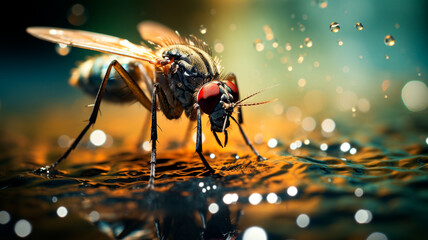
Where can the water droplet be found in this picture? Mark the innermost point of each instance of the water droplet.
(268, 32)
(272, 198)
(292, 191)
(344, 147)
(62, 49)
(62, 212)
(258, 44)
(212, 155)
(203, 29)
(359, 26)
(389, 40)
(4, 217)
(290, 68)
(328, 125)
(340, 42)
(94, 216)
(255, 233)
(324, 147)
(98, 138)
(309, 124)
(303, 220)
(334, 27)
(272, 143)
(308, 42)
(377, 236)
(219, 47)
(213, 208)
(301, 82)
(415, 96)
(23, 228)
(359, 192)
(230, 198)
(386, 57)
(275, 44)
(288, 47)
(255, 198)
(363, 216)
(322, 3)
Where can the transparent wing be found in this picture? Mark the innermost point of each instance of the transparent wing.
(95, 41)
(159, 34)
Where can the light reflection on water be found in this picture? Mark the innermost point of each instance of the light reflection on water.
(296, 193)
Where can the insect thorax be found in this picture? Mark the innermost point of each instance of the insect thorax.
(190, 69)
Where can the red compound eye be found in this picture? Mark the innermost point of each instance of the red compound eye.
(208, 97)
(233, 90)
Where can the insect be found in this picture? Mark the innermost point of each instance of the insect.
(179, 75)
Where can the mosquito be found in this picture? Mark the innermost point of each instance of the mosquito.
(178, 75)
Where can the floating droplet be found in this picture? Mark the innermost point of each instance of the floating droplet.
(23, 228)
(309, 124)
(415, 96)
(301, 82)
(4, 217)
(359, 26)
(344, 147)
(255, 233)
(202, 29)
(272, 143)
(334, 27)
(340, 42)
(219, 47)
(213, 208)
(255, 198)
(386, 57)
(268, 32)
(359, 192)
(292, 191)
(324, 147)
(258, 44)
(308, 42)
(62, 49)
(303, 220)
(288, 47)
(389, 40)
(328, 125)
(98, 137)
(363, 216)
(62, 212)
(322, 3)
(272, 198)
(377, 236)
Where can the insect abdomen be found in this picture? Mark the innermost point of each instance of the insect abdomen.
(89, 75)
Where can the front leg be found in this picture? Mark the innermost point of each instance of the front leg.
(247, 141)
(153, 138)
(199, 142)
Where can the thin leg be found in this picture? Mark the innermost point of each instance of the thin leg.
(153, 138)
(259, 157)
(92, 119)
(199, 142)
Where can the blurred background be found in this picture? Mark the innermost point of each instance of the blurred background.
(350, 81)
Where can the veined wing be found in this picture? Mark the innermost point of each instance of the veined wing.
(159, 34)
(95, 41)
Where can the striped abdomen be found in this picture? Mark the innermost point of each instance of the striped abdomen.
(89, 74)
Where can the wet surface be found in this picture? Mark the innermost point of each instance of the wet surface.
(301, 193)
